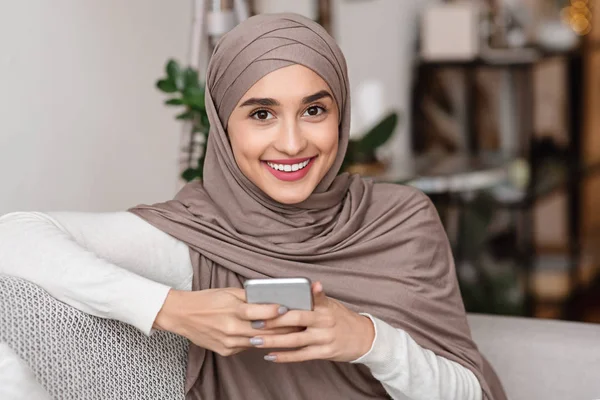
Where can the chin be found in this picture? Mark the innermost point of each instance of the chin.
(289, 197)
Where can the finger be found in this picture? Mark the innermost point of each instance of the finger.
(279, 331)
(303, 354)
(235, 342)
(289, 341)
(227, 345)
(259, 312)
(319, 294)
(245, 329)
(248, 333)
(237, 292)
(296, 318)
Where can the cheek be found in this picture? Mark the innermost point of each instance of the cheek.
(247, 146)
(326, 138)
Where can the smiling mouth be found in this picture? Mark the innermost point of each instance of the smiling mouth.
(289, 170)
(288, 167)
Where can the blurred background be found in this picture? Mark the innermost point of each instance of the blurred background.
(489, 107)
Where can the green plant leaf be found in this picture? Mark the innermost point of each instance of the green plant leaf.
(379, 134)
(173, 69)
(175, 74)
(174, 102)
(204, 121)
(190, 174)
(190, 78)
(193, 173)
(166, 86)
(194, 97)
(200, 128)
(185, 115)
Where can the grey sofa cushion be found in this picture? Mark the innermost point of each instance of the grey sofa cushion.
(77, 356)
(541, 359)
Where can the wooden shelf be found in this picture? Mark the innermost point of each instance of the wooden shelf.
(501, 59)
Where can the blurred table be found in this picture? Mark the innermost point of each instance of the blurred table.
(457, 173)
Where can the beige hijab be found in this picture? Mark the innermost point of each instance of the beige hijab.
(377, 248)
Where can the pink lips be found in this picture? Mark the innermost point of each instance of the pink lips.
(293, 175)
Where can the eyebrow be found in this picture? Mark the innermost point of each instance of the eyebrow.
(269, 102)
(317, 96)
(265, 102)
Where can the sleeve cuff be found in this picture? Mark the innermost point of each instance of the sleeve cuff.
(360, 360)
(142, 305)
(379, 358)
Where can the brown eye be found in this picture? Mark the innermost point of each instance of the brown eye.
(313, 111)
(262, 115)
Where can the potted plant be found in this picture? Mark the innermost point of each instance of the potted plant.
(187, 92)
(361, 157)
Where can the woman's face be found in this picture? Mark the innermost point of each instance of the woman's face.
(284, 133)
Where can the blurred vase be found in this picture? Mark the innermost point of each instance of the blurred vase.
(554, 35)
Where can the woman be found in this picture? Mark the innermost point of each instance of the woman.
(273, 205)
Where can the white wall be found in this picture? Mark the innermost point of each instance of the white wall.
(308, 8)
(378, 38)
(81, 125)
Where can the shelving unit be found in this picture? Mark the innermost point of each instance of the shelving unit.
(539, 186)
(484, 172)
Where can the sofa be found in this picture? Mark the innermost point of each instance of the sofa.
(77, 356)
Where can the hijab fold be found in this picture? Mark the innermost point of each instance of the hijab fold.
(377, 248)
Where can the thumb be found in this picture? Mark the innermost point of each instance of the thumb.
(318, 293)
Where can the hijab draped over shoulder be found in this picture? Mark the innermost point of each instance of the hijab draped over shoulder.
(377, 248)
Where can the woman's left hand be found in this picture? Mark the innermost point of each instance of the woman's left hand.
(333, 332)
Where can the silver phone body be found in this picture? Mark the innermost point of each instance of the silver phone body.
(293, 293)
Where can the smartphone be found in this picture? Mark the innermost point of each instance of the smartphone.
(293, 293)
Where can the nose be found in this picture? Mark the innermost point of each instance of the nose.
(290, 139)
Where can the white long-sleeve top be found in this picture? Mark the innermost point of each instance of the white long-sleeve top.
(118, 266)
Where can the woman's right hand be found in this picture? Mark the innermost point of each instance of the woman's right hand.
(217, 319)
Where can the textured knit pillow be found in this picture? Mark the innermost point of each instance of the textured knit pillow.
(77, 356)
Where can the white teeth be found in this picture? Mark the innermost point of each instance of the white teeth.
(288, 167)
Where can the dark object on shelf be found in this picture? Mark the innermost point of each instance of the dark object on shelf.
(581, 303)
(546, 148)
(500, 242)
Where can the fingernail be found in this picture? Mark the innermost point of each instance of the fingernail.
(282, 310)
(270, 358)
(258, 324)
(256, 341)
